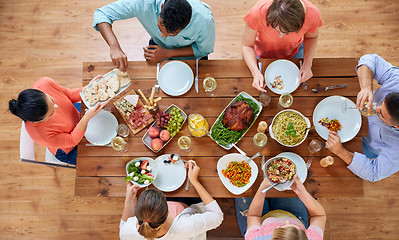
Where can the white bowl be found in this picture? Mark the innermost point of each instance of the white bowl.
(101, 128)
(301, 169)
(289, 74)
(332, 107)
(236, 157)
(290, 110)
(151, 162)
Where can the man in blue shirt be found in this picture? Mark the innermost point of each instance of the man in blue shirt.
(380, 157)
(178, 28)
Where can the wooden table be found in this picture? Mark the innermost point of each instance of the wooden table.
(100, 171)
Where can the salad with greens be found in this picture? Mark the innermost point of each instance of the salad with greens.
(140, 172)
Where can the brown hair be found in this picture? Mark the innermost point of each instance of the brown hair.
(151, 212)
(287, 15)
(289, 233)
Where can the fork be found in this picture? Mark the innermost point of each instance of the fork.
(157, 82)
(308, 163)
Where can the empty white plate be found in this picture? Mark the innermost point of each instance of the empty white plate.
(176, 78)
(288, 72)
(236, 157)
(332, 107)
(170, 175)
(101, 128)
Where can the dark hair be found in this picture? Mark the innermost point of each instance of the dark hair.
(31, 105)
(392, 103)
(288, 15)
(151, 212)
(289, 233)
(175, 14)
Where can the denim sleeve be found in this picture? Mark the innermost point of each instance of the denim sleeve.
(122, 9)
(374, 170)
(205, 43)
(378, 66)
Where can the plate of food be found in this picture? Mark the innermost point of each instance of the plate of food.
(235, 120)
(288, 128)
(282, 76)
(176, 78)
(171, 174)
(283, 167)
(101, 128)
(142, 171)
(132, 110)
(166, 126)
(237, 175)
(105, 88)
(330, 115)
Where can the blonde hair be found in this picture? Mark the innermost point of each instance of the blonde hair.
(151, 212)
(289, 233)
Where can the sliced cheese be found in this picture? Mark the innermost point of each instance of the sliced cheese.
(133, 99)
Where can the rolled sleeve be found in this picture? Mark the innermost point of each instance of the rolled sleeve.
(122, 9)
(373, 169)
(377, 65)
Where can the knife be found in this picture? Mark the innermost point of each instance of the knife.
(196, 75)
(323, 89)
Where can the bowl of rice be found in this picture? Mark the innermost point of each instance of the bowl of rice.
(289, 128)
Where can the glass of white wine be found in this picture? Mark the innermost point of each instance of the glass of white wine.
(260, 140)
(119, 144)
(185, 144)
(210, 85)
(367, 112)
(286, 100)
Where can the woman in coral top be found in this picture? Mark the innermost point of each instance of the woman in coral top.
(51, 119)
(277, 29)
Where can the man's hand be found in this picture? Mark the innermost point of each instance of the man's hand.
(365, 95)
(305, 73)
(155, 53)
(297, 186)
(131, 191)
(119, 58)
(259, 82)
(334, 143)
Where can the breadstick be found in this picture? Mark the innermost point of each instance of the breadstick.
(152, 96)
(145, 99)
(157, 99)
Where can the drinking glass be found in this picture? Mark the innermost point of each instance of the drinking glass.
(119, 144)
(197, 125)
(286, 100)
(209, 84)
(264, 98)
(315, 146)
(185, 144)
(122, 130)
(260, 140)
(367, 112)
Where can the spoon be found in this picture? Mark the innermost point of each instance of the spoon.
(255, 156)
(282, 181)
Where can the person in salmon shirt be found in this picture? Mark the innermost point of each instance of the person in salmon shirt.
(51, 118)
(280, 29)
(151, 216)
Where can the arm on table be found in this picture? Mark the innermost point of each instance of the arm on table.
(249, 55)
(315, 209)
(130, 201)
(309, 49)
(155, 53)
(255, 209)
(334, 144)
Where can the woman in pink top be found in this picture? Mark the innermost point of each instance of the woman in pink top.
(279, 224)
(277, 29)
(151, 216)
(51, 119)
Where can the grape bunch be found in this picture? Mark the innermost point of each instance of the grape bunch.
(162, 119)
(175, 122)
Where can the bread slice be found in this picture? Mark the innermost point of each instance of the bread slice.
(102, 95)
(119, 73)
(93, 99)
(94, 87)
(124, 81)
(86, 93)
(113, 83)
(110, 93)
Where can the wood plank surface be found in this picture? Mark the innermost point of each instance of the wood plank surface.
(53, 38)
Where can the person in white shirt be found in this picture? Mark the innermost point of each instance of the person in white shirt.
(152, 217)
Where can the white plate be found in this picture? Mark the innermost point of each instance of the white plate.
(176, 78)
(331, 107)
(289, 110)
(236, 157)
(101, 128)
(302, 170)
(288, 72)
(151, 162)
(170, 175)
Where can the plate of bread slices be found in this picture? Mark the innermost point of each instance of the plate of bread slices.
(105, 88)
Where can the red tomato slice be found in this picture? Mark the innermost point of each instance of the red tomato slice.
(144, 165)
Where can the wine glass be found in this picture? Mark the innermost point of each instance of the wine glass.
(286, 100)
(119, 144)
(185, 144)
(315, 146)
(210, 85)
(122, 130)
